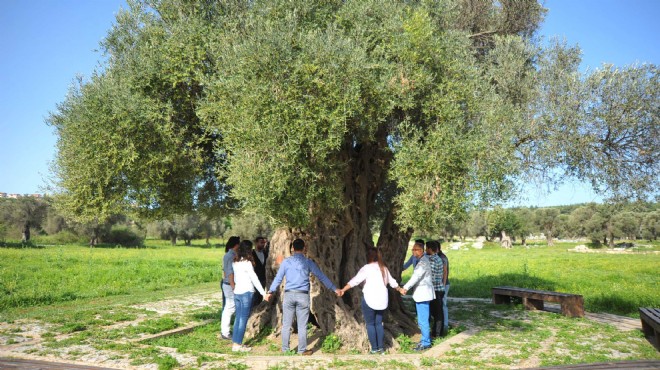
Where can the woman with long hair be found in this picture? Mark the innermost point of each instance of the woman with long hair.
(245, 282)
(376, 277)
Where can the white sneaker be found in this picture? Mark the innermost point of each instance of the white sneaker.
(240, 348)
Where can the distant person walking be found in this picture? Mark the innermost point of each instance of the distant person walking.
(245, 283)
(421, 280)
(375, 276)
(296, 270)
(228, 307)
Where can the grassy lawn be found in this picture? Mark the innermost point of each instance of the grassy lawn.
(95, 305)
(612, 283)
(51, 274)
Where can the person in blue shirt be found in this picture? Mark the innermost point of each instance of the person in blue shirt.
(296, 269)
(412, 261)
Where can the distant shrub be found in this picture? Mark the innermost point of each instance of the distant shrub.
(62, 237)
(124, 236)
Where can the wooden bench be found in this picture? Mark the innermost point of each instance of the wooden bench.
(650, 318)
(572, 305)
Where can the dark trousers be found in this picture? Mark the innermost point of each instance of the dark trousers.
(374, 321)
(437, 315)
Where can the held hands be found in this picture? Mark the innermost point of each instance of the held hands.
(339, 292)
(402, 291)
(267, 297)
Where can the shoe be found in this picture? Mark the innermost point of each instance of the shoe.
(374, 352)
(306, 353)
(421, 347)
(240, 348)
(225, 337)
(381, 351)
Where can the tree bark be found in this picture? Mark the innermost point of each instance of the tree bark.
(338, 244)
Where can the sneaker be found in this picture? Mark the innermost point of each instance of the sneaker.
(225, 337)
(381, 351)
(306, 353)
(240, 348)
(421, 347)
(374, 352)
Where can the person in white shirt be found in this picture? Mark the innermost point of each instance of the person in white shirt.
(245, 282)
(375, 276)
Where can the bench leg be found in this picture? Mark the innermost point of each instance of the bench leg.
(532, 304)
(647, 329)
(573, 307)
(500, 299)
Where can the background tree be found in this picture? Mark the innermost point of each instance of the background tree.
(651, 225)
(525, 227)
(503, 222)
(547, 220)
(25, 214)
(326, 115)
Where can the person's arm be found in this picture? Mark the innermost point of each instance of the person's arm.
(408, 262)
(278, 279)
(393, 283)
(356, 280)
(314, 269)
(445, 272)
(255, 280)
(417, 276)
(230, 274)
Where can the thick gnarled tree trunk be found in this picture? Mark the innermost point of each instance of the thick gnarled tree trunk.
(338, 244)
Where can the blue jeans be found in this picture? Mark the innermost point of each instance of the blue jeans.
(423, 309)
(374, 320)
(298, 303)
(243, 305)
(445, 322)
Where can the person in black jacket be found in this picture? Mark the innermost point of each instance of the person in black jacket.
(260, 255)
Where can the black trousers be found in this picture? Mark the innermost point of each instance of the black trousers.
(437, 315)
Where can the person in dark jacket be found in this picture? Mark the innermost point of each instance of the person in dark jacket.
(260, 256)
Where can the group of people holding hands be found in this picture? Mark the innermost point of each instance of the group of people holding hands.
(244, 278)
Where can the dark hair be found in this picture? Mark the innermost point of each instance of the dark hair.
(258, 238)
(298, 245)
(231, 243)
(434, 245)
(244, 252)
(419, 241)
(374, 255)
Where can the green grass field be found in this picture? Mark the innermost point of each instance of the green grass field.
(88, 302)
(612, 283)
(51, 274)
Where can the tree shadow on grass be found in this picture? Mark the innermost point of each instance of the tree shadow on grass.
(480, 287)
(19, 245)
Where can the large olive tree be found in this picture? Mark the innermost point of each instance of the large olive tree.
(328, 115)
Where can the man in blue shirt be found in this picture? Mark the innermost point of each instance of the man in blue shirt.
(296, 269)
(412, 261)
(227, 286)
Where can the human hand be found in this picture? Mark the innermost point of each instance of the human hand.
(267, 297)
(339, 292)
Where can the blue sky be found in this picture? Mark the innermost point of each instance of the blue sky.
(44, 44)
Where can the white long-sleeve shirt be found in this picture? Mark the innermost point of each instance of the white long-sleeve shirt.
(375, 291)
(245, 279)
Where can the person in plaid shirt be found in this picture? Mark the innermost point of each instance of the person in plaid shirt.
(437, 271)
